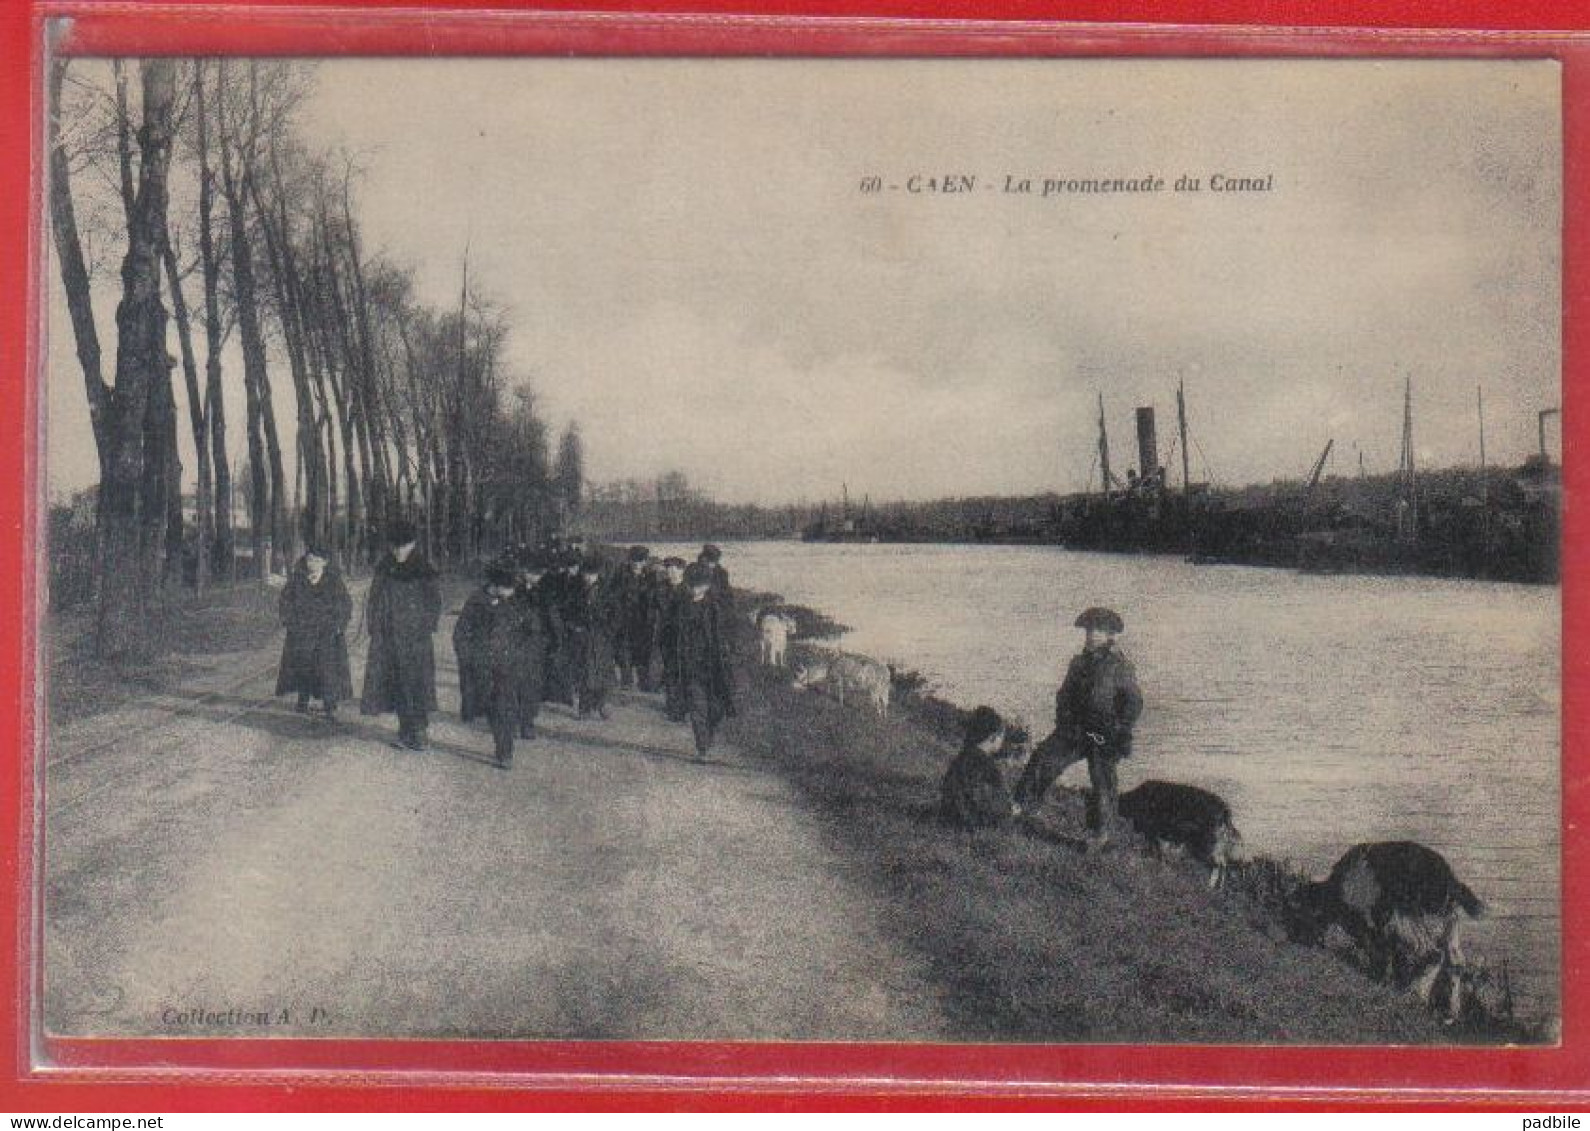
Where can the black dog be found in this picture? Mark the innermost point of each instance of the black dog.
(1169, 813)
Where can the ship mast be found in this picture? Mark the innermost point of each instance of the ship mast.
(1104, 449)
(1181, 424)
(1485, 478)
(1186, 467)
(1410, 484)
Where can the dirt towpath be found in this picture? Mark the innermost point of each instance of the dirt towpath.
(216, 864)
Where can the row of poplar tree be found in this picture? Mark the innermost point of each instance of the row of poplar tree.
(229, 223)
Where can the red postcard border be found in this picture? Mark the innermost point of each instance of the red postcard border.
(370, 1075)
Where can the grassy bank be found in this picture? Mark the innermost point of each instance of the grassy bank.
(191, 635)
(1032, 940)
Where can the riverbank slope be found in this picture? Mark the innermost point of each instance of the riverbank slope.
(1033, 940)
(208, 850)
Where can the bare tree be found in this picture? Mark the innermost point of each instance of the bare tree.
(196, 421)
(74, 270)
(268, 479)
(131, 536)
(214, 402)
(568, 476)
(400, 408)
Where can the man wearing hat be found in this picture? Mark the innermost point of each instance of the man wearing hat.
(590, 623)
(559, 586)
(494, 649)
(633, 589)
(712, 557)
(669, 601)
(401, 614)
(701, 657)
(973, 794)
(542, 622)
(1095, 710)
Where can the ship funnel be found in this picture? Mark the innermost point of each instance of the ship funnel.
(1147, 447)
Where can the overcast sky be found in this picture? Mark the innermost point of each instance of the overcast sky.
(693, 273)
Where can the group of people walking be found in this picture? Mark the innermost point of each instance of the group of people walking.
(551, 623)
(559, 623)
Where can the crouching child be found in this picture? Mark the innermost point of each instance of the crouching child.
(973, 794)
(495, 647)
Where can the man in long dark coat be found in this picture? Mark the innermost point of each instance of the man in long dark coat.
(590, 624)
(712, 557)
(668, 602)
(702, 658)
(634, 587)
(315, 610)
(722, 593)
(1095, 710)
(541, 623)
(401, 614)
(559, 589)
(494, 646)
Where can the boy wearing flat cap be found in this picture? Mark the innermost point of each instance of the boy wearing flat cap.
(1095, 710)
(973, 794)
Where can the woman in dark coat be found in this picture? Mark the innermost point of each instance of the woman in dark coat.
(401, 614)
(315, 610)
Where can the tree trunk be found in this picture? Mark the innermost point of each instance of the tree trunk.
(214, 406)
(128, 563)
(265, 506)
(320, 364)
(354, 519)
(124, 162)
(74, 274)
(278, 246)
(378, 479)
(203, 524)
(356, 435)
(162, 486)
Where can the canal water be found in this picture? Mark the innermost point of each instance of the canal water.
(1327, 710)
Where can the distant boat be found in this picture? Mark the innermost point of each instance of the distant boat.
(847, 528)
(819, 532)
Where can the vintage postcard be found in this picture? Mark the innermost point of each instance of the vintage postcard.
(894, 550)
